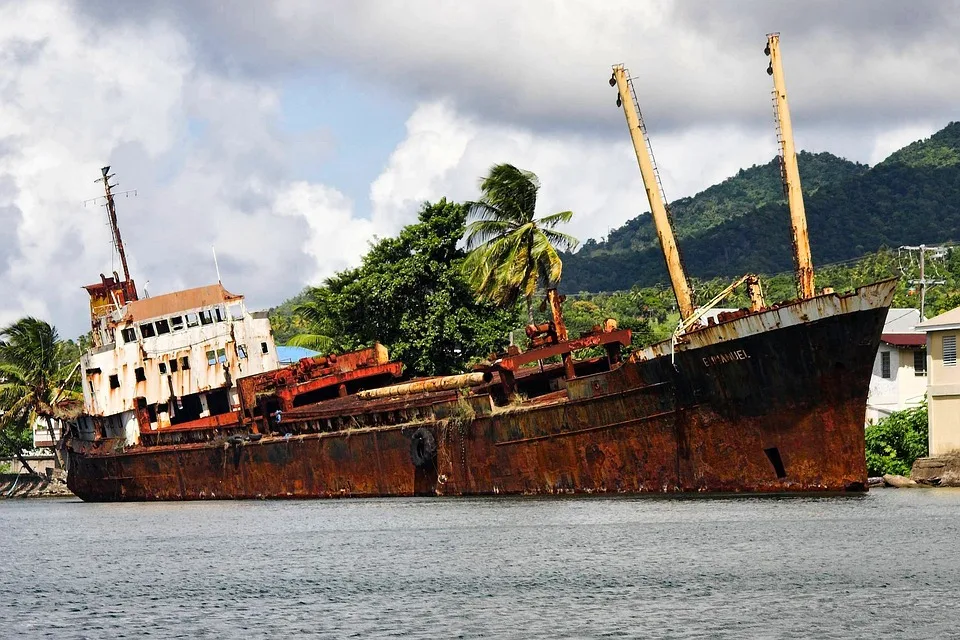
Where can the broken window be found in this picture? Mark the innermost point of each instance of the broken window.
(885, 364)
(162, 367)
(241, 351)
(184, 363)
(219, 314)
(221, 355)
(114, 381)
(146, 330)
(192, 320)
(211, 357)
(264, 348)
(176, 323)
(236, 311)
(206, 317)
(129, 334)
(920, 362)
(139, 374)
(162, 327)
(173, 365)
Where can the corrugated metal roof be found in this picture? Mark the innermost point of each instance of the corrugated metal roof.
(178, 301)
(905, 339)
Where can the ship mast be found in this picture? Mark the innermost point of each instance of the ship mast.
(112, 214)
(789, 171)
(651, 181)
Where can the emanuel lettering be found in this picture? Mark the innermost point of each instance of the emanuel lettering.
(723, 358)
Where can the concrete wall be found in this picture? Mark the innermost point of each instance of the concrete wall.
(943, 396)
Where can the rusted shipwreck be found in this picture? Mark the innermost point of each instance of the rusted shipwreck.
(184, 397)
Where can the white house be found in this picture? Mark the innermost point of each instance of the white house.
(899, 377)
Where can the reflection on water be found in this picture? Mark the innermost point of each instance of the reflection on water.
(883, 565)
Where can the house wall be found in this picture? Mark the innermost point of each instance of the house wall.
(943, 396)
(902, 390)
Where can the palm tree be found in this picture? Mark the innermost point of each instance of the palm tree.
(511, 251)
(36, 377)
(312, 316)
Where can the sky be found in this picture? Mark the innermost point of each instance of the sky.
(289, 134)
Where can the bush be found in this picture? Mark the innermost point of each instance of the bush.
(896, 441)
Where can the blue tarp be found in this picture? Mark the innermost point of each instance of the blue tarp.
(289, 355)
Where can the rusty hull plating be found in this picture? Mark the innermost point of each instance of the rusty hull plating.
(769, 401)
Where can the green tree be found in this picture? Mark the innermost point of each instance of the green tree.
(512, 251)
(410, 293)
(894, 443)
(37, 381)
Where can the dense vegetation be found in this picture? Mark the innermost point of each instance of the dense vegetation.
(742, 224)
(411, 294)
(896, 441)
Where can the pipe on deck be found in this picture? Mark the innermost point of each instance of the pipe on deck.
(444, 383)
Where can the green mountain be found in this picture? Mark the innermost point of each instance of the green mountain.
(742, 224)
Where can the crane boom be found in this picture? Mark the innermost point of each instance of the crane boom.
(790, 173)
(651, 182)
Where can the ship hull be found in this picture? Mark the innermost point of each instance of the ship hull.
(773, 402)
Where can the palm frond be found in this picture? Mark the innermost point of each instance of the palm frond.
(313, 341)
(560, 240)
(554, 219)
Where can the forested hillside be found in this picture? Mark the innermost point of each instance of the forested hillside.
(742, 224)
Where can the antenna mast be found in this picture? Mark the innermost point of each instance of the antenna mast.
(112, 214)
(789, 171)
(627, 98)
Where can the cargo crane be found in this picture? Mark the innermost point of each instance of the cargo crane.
(689, 314)
(789, 172)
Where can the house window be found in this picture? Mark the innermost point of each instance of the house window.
(192, 320)
(176, 323)
(114, 381)
(206, 317)
(173, 365)
(949, 351)
(146, 330)
(242, 350)
(211, 358)
(885, 364)
(263, 348)
(139, 374)
(162, 327)
(162, 367)
(129, 334)
(920, 362)
(184, 362)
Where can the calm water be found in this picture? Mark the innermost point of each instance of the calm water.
(886, 565)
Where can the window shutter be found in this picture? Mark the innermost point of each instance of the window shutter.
(949, 351)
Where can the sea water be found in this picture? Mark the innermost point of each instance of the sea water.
(883, 565)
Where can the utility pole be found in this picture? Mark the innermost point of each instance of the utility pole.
(923, 282)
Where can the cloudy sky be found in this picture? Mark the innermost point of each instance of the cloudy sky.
(287, 134)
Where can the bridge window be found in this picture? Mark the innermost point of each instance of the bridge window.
(184, 363)
(206, 317)
(173, 365)
(241, 351)
(219, 314)
(114, 381)
(176, 323)
(192, 320)
(236, 312)
(163, 327)
(139, 374)
(162, 367)
(129, 334)
(146, 330)
(263, 348)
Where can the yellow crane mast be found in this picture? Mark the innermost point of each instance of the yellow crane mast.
(651, 181)
(789, 171)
